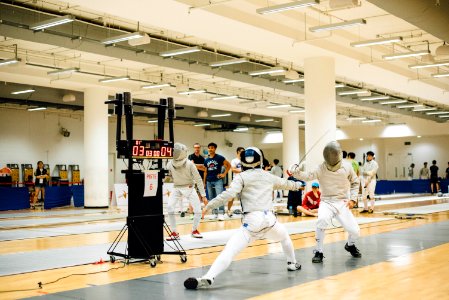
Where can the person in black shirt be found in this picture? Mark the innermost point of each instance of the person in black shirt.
(447, 171)
(434, 185)
(198, 159)
(41, 181)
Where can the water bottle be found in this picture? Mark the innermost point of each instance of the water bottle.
(290, 210)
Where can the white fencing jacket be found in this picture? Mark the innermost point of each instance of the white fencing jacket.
(256, 187)
(342, 184)
(186, 175)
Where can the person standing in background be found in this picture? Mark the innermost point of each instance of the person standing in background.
(434, 184)
(410, 171)
(40, 183)
(424, 172)
(447, 171)
(369, 182)
(213, 177)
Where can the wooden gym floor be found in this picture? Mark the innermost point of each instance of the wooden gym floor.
(419, 272)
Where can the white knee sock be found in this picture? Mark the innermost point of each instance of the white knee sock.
(172, 220)
(365, 203)
(372, 203)
(196, 220)
(319, 236)
(289, 251)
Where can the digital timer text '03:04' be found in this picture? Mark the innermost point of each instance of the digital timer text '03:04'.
(152, 149)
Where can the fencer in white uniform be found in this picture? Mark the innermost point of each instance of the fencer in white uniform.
(185, 177)
(255, 187)
(339, 187)
(369, 171)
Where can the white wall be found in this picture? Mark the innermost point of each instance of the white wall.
(391, 153)
(27, 137)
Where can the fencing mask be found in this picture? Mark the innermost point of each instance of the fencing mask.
(252, 157)
(179, 154)
(332, 156)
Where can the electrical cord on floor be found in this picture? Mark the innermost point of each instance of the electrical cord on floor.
(41, 284)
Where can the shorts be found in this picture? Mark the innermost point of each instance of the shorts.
(40, 185)
(434, 180)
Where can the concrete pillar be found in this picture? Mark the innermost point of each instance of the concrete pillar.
(95, 148)
(290, 147)
(320, 105)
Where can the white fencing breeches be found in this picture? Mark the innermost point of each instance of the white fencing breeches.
(368, 192)
(256, 225)
(338, 210)
(177, 195)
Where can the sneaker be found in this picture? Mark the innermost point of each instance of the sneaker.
(197, 283)
(221, 218)
(173, 236)
(370, 211)
(229, 213)
(293, 266)
(353, 250)
(196, 234)
(318, 258)
(365, 211)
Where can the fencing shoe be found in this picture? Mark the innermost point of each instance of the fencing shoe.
(318, 258)
(173, 236)
(197, 283)
(293, 266)
(353, 250)
(196, 234)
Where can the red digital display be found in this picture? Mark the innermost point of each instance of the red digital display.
(152, 149)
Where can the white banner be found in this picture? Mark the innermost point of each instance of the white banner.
(151, 180)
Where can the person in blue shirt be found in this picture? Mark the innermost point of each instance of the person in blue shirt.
(213, 176)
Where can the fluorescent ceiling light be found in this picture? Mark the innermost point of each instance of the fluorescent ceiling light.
(339, 85)
(192, 92)
(406, 54)
(425, 109)
(355, 118)
(338, 25)
(286, 6)
(221, 115)
(202, 125)
(293, 111)
(52, 22)
(225, 97)
(445, 116)
(293, 80)
(274, 70)
(123, 37)
(11, 61)
(438, 75)
(37, 108)
(437, 113)
(278, 106)
(63, 71)
(228, 62)
(394, 102)
(152, 121)
(112, 79)
(155, 86)
(382, 41)
(435, 64)
(372, 121)
(371, 98)
(180, 51)
(410, 106)
(263, 120)
(241, 129)
(23, 92)
(354, 92)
